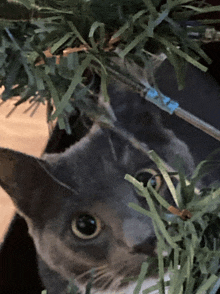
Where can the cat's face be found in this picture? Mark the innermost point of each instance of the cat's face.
(76, 208)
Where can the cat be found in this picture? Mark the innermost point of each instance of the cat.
(75, 203)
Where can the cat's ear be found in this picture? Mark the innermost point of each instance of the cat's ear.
(29, 184)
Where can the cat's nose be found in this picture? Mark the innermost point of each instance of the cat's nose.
(137, 230)
(147, 247)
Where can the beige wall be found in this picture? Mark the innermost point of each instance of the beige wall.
(23, 133)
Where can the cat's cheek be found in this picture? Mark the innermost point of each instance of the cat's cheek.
(59, 257)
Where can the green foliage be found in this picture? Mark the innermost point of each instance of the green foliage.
(192, 244)
(140, 27)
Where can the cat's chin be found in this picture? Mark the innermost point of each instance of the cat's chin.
(129, 289)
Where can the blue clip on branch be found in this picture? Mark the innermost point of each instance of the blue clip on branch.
(162, 101)
(166, 104)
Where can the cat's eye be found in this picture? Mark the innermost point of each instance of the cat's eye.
(146, 175)
(86, 226)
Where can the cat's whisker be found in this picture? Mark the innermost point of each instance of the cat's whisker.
(116, 282)
(103, 275)
(100, 269)
(99, 273)
(83, 274)
(109, 281)
(104, 279)
(119, 275)
(96, 269)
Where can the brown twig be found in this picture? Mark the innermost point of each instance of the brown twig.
(184, 214)
(84, 47)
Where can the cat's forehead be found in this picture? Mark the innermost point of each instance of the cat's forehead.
(101, 157)
(104, 148)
